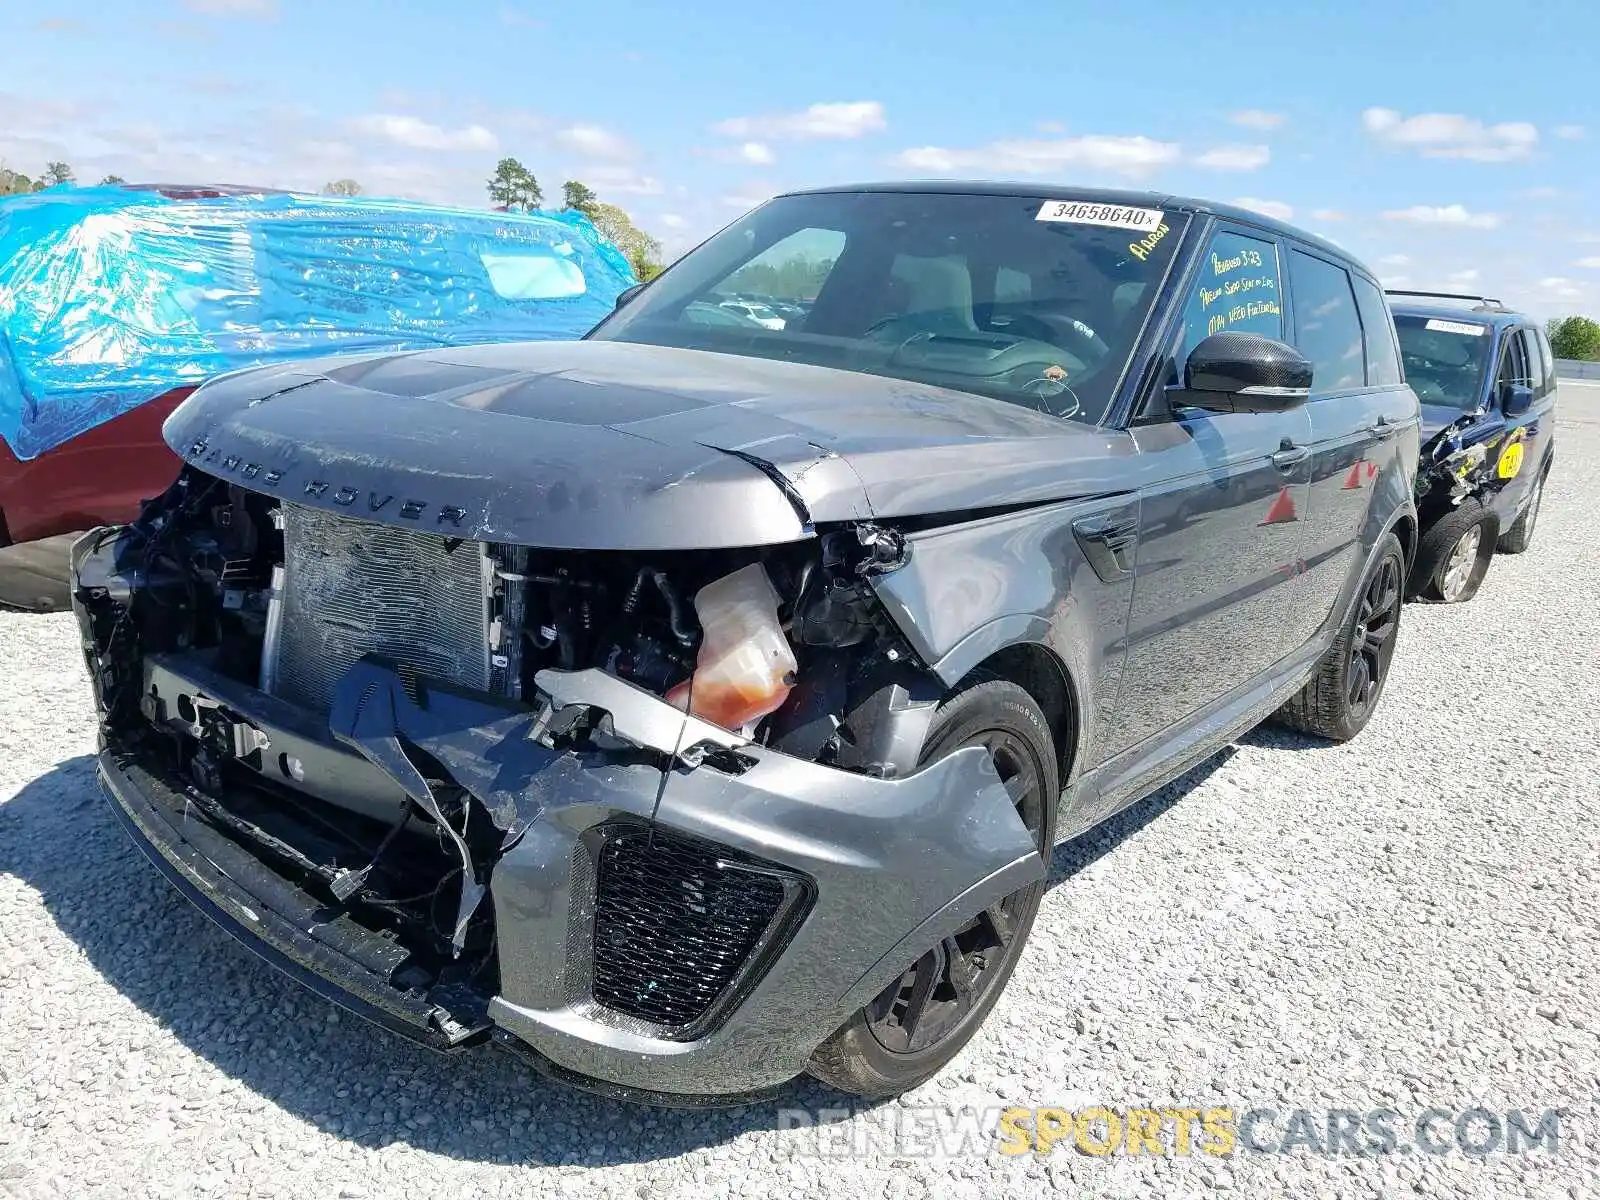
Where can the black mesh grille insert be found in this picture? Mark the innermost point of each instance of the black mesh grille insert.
(675, 920)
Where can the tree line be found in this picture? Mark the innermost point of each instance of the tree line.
(15, 183)
(512, 188)
(1575, 338)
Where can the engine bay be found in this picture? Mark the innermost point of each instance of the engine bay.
(221, 627)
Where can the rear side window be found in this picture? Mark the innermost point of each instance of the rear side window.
(1547, 356)
(1327, 327)
(1238, 291)
(1383, 353)
(1538, 373)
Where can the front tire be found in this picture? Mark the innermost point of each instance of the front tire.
(1454, 555)
(1340, 698)
(923, 1019)
(1519, 537)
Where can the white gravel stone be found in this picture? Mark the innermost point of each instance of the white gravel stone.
(1407, 921)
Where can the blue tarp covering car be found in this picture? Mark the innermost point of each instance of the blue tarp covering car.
(112, 296)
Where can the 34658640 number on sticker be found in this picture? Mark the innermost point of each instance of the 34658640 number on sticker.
(1114, 216)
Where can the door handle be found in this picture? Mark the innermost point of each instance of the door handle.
(1383, 429)
(1289, 455)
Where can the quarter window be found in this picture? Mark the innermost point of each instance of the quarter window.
(1237, 292)
(1327, 328)
(1383, 354)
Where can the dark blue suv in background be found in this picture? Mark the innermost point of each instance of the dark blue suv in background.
(1486, 379)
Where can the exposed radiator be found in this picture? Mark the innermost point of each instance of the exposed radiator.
(352, 588)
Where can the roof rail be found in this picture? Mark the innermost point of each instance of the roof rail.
(1484, 303)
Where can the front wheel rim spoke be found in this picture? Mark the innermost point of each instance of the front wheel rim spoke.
(929, 971)
(1361, 675)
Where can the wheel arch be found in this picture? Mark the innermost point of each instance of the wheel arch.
(1405, 528)
(1039, 671)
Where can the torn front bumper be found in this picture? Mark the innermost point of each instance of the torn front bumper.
(858, 875)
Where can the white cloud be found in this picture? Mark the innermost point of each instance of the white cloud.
(421, 135)
(757, 152)
(233, 8)
(672, 221)
(820, 122)
(1558, 287)
(1443, 214)
(1569, 133)
(592, 141)
(1394, 260)
(749, 196)
(1326, 214)
(1131, 156)
(1457, 278)
(518, 19)
(1591, 263)
(607, 179)
(1451, 135)
(1234, 158)
(1275, 209)
(1256, 118)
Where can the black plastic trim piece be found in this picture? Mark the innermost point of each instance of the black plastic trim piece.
(307, 959)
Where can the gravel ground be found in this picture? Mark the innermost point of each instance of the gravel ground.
(1402, 923)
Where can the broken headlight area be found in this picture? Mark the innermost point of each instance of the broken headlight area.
(1454, 468)
(380, 712)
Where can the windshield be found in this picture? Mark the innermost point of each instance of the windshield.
(1034, 302)
(1444, 360)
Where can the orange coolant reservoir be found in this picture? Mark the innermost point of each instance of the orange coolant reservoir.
(745, 667)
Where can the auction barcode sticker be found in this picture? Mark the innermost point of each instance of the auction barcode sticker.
(1115, 216)
(1463, 327)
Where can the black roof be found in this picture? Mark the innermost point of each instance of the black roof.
(1122, 196)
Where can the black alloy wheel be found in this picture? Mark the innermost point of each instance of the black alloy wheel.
(1339, 698)
(1373, 639)
(942, 988)
(922, 1019)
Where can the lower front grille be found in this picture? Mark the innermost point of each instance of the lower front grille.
(353, 588)
(678, 925)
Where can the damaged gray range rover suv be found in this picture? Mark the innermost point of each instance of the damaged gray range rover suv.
(697, 704)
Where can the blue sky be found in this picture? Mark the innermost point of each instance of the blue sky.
(1446, 145)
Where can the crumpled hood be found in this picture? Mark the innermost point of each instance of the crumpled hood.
(1436, 417)
(610, 445)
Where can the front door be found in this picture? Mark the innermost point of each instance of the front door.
(1217, 574)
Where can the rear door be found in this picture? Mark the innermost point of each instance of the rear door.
(1356, 421)
(1216, 579)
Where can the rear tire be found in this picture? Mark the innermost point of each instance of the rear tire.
(1454, 555)
(923, 1019)
(1341, 697)
(1519, 537)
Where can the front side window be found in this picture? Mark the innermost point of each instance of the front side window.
(1238, 291)
(1445, 359)
(1514, 368)
(1327, 326)
(1038, 303)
